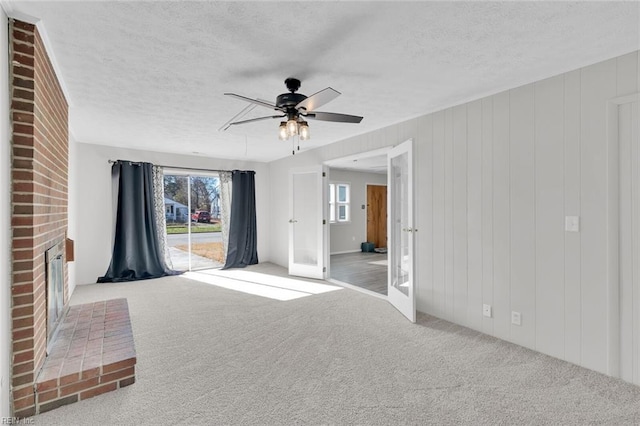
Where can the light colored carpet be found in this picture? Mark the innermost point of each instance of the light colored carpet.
(215, 356)
(384, 262)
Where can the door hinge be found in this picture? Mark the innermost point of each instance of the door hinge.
(324, 174)
(324, 269)
(324, 221)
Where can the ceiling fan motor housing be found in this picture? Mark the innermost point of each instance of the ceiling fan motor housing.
(289, 100)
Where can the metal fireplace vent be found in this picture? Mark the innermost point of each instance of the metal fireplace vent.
(54, 258)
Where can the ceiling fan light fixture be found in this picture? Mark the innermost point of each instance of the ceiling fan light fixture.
(304, 131)
(283, 133)
(292, 127)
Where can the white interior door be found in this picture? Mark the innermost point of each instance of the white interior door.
(306, 221)
(401, 231)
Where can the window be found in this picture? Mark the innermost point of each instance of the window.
(339, 202)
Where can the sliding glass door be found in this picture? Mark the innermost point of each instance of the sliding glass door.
(192, 211)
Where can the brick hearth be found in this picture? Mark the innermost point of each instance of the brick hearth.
(93, 353)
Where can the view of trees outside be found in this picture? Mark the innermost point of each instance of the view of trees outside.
(205, 192)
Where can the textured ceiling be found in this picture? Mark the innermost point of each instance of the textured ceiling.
(151, 75)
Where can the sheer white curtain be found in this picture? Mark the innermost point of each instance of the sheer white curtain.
(225, 208)
(161, 222)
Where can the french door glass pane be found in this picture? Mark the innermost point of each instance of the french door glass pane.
(399, 200)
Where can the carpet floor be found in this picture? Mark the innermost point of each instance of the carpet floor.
(216, 356)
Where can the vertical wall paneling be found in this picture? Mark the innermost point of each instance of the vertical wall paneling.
(626, 243)
(501, 218)
(598, 84)
(460, 239)
(438, 239)
(523, 214)
(627, 74)
(448, 214)
(408, 130)
(626, 136)
(572, 291)
(626, 83)
(487, 210)
(392, 135)
(549, 214)
(635, 206)
(474, 215)
(424, 224)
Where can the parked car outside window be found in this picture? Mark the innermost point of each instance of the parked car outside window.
(201, 216)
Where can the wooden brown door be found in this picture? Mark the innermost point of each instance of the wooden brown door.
(377, 215)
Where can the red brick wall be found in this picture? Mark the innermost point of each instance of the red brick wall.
(40, 152)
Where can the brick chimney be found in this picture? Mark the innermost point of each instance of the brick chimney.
(40, 153)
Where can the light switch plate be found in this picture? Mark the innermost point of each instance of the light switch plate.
(572, 223)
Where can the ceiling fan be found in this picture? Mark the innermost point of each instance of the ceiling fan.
(296, 107)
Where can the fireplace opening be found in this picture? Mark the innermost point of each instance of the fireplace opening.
(54, 258)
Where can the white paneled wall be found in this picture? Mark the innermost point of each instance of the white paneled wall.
(496, 178)
(505, 172)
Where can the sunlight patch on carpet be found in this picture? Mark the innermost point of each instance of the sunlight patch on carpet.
(257, 284)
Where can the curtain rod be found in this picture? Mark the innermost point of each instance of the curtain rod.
(173, 167)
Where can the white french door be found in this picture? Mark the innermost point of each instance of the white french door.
(307, 213)
(401, 231)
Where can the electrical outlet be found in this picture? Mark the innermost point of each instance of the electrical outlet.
(516, 318)
(486, 310)
(572, 223)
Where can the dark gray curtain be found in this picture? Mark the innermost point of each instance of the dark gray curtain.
(136, 254)
(242, 249)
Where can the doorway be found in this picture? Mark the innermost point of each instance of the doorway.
(193, 220)
(357, 188)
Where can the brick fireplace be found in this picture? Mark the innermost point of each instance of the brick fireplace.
(40, 152)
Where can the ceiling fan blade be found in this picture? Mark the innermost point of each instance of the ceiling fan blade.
(253, 101)
(318, 99)
(256, 119)
(239, 115)
(332, 116)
